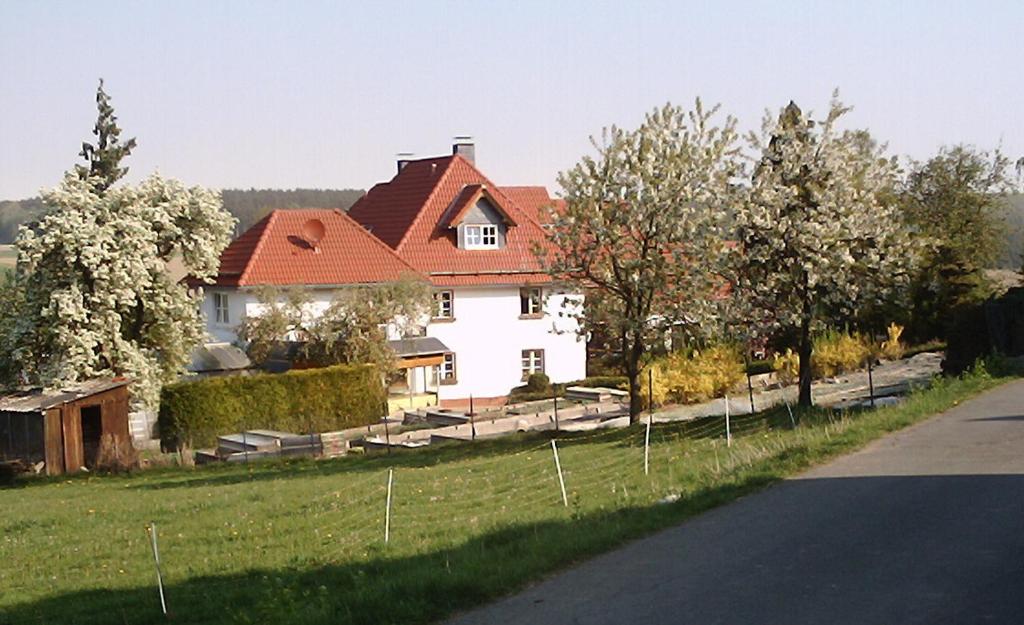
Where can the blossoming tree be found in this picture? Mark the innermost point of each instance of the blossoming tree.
(818, 233)
(98, 297)
(642, 230)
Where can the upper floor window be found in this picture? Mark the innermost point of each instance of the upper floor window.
(530, 301)
(221, 312)
(481, 237)
(444, 305)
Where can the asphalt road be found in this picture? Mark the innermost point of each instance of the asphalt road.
(923, 526)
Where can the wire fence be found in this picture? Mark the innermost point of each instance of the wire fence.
(404, 510)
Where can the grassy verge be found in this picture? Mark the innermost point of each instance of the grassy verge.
(302, 541)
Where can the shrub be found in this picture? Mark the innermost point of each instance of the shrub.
(787, 367)
(116, 455)
(757, 367)
(682, 378)
(834, 353)
(331, 398)
(892, 347)
(538, 382)
(605, 381)
(839, 352)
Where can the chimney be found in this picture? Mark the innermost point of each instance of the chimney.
(464, 147)
(403, 160)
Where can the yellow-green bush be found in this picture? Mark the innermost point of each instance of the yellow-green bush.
(787, 366)
(892, 347)
(688, 378)
(839, 352)
(834, 353)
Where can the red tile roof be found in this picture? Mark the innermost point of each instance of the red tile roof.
(466, 200)
(534, 200)
(408, 213)
(275, 252)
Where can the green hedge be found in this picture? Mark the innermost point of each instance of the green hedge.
(525, 393)
(318, 400)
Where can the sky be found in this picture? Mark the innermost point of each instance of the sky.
(244, 94)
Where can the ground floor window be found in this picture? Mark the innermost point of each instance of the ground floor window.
(532, 362)
(445, 372)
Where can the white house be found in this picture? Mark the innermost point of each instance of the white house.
(497, 314)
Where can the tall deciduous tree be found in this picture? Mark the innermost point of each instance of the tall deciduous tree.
(817, 234)
(642, 230)
(353, 329)
(104, 158)
(97, 296)
(956, 199)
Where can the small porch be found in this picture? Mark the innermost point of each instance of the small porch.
(414, 384)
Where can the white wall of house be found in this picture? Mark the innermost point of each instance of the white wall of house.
(244, 302)
(488, 336)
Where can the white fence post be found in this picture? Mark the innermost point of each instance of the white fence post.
(558, 467)
(728, 429)
(156, 560)
(647, 446)
(387, 508)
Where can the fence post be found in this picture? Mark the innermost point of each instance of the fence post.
(387, 508)
(558, 467)
(750, 390)
(554, 399)
(156, 560)
(647, 445)
(728, 429)
(871, 382)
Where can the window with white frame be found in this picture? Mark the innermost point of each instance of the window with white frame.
(533, 362)
(444, 305)
(221, 313)
(481, 237)
(531, 301)
(446, 370)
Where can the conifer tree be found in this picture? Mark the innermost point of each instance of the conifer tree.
(104, 158)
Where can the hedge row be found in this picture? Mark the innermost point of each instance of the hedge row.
(311, 400)
(524, 393)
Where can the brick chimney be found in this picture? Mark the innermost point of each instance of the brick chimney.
(463, 146)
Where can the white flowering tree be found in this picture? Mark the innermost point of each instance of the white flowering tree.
(93, 275)
(642, 230)
(818, 233)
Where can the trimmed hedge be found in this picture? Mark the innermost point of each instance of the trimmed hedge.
(524, 393)
(310, 400)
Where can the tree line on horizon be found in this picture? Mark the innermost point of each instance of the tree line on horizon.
(247, 206)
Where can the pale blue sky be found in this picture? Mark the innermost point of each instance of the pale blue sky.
(324, 94)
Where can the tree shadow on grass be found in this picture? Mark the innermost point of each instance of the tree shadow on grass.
(890, 542)
(382, 589)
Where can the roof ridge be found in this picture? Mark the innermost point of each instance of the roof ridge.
(491, 186)
(259, 245)
(426, 202)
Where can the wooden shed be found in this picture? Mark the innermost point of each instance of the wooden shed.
(63, 428)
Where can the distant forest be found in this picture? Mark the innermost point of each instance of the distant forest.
(247, 205)
(251, 205)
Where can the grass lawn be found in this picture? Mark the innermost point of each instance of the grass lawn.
(302, 541)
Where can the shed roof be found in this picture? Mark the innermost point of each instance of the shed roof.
(418, 346)
(37, 400)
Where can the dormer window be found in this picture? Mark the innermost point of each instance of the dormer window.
(481, 237)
